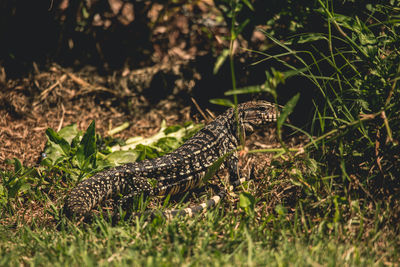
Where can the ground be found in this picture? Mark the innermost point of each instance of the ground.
(24, 119)
(143, 93)
(27, 112)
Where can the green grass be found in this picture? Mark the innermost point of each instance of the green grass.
(334, 204)
(217, 238)
(287, 231)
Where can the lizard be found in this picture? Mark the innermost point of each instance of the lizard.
(178, 171)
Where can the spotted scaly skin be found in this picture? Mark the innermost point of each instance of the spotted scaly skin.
(178, 171)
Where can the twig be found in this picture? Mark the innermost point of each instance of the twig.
(200, 110)
(3, 77)
(89, 88)
(386, 122)
(210, 113)
(62, 118)
(47, 91)
(51, 5)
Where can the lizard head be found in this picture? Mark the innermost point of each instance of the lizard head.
(255, 114)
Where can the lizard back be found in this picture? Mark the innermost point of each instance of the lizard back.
(178, 171)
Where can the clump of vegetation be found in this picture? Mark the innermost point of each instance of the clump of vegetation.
(356, 113)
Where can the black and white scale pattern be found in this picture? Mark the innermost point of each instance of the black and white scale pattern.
(178, 171)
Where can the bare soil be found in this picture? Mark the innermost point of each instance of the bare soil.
(52, 99)
(47, 100)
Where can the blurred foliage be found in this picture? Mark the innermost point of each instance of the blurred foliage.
(110, 33)
(103, 33)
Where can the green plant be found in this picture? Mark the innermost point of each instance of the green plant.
(354, 132)
(80, 154)
(17, 184)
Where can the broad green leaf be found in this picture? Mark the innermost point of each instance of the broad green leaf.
(247, 201)
(180, 133)
(58, 140)
(89, 140)
(168, 144)
(46, 162)
(172, 129)
(222, 102)
(87, 147)
(52, 152)
(69, 132)
(121, 157)
(146, 152)
(245, 90)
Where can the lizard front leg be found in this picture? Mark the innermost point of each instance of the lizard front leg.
(233, 168)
